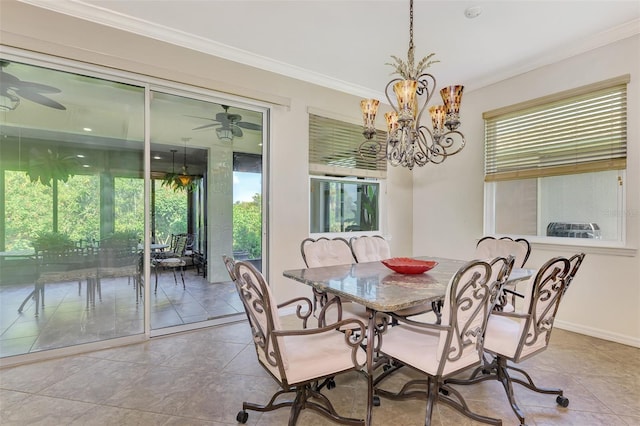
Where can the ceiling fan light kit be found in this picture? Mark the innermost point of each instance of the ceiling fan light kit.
(408, 142)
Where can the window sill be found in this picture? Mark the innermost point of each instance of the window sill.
(611, 250)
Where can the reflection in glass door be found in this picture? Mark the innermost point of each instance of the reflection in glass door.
(71, 211)
(196, 148)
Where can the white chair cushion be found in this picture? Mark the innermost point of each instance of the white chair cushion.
(492, 248)
(327, 253)
(502, 335)
(418, 347)
(318, 355)
(370, 249)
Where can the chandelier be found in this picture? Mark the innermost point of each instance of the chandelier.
(409, 142)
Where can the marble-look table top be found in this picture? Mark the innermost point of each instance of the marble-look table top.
(377, 287)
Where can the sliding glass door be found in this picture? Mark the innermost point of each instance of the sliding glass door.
(73, 264)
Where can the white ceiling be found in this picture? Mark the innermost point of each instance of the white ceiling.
(344, 44)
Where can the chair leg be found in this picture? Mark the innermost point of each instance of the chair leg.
(432, 391)
(459, 404)
(98, 289)
(306, 398)
(429, 390)
(31, 295)
(89, 296)
(498, 369)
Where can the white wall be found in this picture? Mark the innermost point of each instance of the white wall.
(27, 27)
(604, 299)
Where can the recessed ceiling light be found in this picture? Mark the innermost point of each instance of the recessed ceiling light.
(86, 165)
(472, 12)
(87, 129)
(80, 155)
(157, 157)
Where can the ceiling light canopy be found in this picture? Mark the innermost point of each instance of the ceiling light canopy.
(408, 141)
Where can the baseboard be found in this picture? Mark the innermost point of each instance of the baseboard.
(600, 334)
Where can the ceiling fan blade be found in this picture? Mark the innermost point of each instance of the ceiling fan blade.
(39, 99)
(201, 118)
(8, 79)
(249, 126)
(15, 83)
(206, 126)
(37, 87)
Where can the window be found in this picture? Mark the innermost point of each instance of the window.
(347, 198)
(344, 205)
(555, 166)
(247, 206)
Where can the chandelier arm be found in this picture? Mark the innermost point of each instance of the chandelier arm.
(423, 89)
(370, 148)
(440, 146)
(448, 141)
(386, 93)
(429, 147)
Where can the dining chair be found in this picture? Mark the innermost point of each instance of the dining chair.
(370, 249)
(442, 350)
(512, 337)
(295, 359)
(331, 252)
(490, 247)
(302, 314)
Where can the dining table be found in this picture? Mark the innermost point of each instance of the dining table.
(381, 290)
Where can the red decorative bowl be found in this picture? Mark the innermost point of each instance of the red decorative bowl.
(407, 265)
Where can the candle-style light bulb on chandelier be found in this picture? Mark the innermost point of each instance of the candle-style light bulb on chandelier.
(408, 141)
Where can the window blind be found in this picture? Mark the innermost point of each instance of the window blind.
(333, 149)
(583, 130)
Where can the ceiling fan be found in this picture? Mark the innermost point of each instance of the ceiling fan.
(228, 124)
(12, 89)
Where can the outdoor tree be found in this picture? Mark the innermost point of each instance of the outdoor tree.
(247, 227)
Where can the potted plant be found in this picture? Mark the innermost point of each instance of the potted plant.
(52, 241)
(46, 166)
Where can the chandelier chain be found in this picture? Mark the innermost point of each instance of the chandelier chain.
(410, 53)
(411, 25)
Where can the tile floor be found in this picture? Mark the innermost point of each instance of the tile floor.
(66, 320)
(201, 378)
